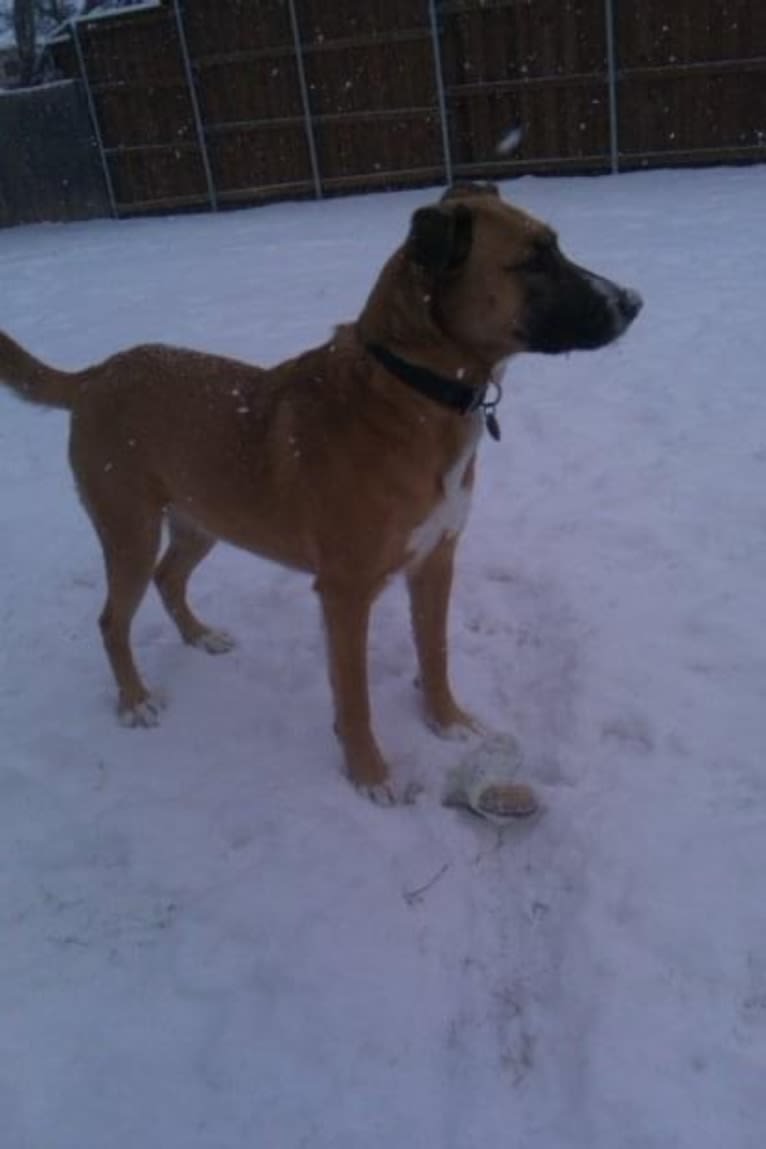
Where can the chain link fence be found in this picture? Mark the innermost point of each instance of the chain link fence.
(214, 103)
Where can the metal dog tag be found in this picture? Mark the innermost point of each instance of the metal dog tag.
(492, 425)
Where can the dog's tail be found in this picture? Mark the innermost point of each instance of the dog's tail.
(33, 380)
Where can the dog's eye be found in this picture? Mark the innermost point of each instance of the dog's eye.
(536, 262)
(540, 259)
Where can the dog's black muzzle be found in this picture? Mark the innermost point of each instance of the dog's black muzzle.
(571, 309)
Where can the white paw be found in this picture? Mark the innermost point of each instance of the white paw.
(457, 731)
(380, 795)
(387, 794)
(144, 714)
(214, 642)
(454, 733)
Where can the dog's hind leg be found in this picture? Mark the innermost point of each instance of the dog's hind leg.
(188, 546)
(130, 538)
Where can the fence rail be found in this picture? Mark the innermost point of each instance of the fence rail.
(215, 102)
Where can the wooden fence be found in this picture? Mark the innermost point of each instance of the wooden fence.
(222, 102)
(49, 161)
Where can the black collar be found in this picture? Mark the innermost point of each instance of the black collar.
(460, 397)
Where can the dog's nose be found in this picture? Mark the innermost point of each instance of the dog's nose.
(629, 303)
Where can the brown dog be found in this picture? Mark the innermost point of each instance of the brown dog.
(353, 461)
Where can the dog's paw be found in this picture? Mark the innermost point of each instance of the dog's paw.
(459, 727)
(449, 721)
(214, 641)
(143, 714)
(455, 732)
(386, 794)
(380, 795)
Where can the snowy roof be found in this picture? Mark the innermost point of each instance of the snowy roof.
(109, 9)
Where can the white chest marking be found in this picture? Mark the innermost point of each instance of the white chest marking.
(450, 514)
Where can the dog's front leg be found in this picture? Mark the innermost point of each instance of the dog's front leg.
(430, 585)
(347, 617)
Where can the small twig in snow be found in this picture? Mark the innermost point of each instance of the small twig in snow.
(412, 897)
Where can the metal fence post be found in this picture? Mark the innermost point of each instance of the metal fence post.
(307, 119)
(440, 89)
(93, 117)
(201, 140)
(611, 61)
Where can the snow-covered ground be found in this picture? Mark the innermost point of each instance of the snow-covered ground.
(209, 941)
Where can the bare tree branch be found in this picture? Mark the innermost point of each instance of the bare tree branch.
(25, 25)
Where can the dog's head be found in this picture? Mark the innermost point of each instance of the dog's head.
(498, 283)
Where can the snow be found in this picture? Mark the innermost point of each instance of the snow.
(108, 11)
(210, 941)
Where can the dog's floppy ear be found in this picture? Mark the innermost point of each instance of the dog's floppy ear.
(440, 239)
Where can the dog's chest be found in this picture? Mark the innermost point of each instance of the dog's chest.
(449, 516)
